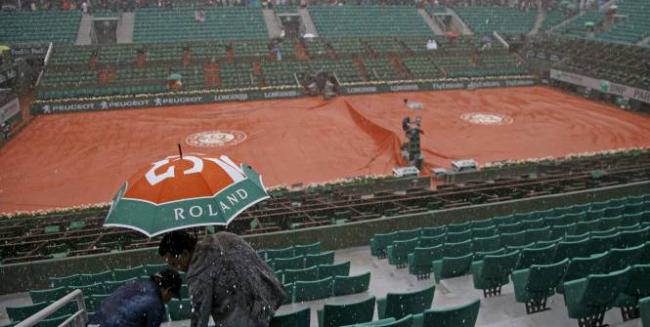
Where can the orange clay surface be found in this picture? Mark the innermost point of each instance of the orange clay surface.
(73, 159)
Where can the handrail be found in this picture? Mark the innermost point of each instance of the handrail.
(80, 316)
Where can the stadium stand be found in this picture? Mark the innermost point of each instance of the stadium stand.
(59, 27)
(379, 21)
(576, 27)
(633, 26)
(153, 25)
(488, 19)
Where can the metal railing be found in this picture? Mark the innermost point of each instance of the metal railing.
(79, 318)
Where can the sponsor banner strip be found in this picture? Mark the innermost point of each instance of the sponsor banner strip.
(601, 85)
(9, 110)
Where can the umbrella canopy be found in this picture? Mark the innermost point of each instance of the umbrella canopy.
(4, 48)
(174, 77)
(184, 192)
(590, 24)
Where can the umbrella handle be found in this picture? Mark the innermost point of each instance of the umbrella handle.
(180, 150)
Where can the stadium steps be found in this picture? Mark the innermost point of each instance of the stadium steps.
(458, 24)
(124, 32)
(644, 42)
(305, 17)
(539, 22)
(85, 28)
(432, 25)
(273, 24)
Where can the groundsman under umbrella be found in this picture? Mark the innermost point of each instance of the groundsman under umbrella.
(181, 192)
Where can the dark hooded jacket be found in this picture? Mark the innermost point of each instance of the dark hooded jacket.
(134, 304)
(230, 282)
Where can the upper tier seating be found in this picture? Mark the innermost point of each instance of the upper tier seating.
(634, 27)
(340, 21)
(576, 27)
(39, 27)
(483, 19)
(224, 23)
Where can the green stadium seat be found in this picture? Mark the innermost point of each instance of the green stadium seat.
(20, 313)
(420, 261)
(644, 308)
(488, 231)
(48, 295)
(587, 226)
(65, 281)
(610, 222)
(459, 227)
(511, 227)
(297, 262)
(457, 249)
(313, 248)
(306, 274)
(486, 244)
(54, 321)
(179, 309)
(299, 318)
(379, 242)
(576, 237)
(502, 220)
(287, 252)
(449, 267)
(312, 290)
(460, 316)
(480, 255)
(617, 259)
(587, 299)
(288, 290)
(345, 285)
(430, 241)
(535, 284)
(88, 290)
(638, 286)
(334, 315)
(333, 270)
(536, 256)
(399, 305)
(408, 234)
(581, 268)
(375, 323)
(534, 223)
(572, 249)
(457, 237)
(398, 252)
(538, 234)
(514, 239)
(127, 273)
(601, 244)
(633, 237)
(484, 223)
(151, 269)
(493, 271)
(99, 277)
(433, 231)
(323, 258)
(111, 286)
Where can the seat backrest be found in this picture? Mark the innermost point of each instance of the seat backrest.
(459, 227)
(127, 273)
(111, 285)
(300, 318)
(510, 227)
(179, 309)
(540, 256)
(538, 234)
(581, 267)
(344, 285)
(407, 234)
(433, 231)
(457, 249)
(323, 258)
(307, 274)
(639, 284)
(287, 252)
(429, 254)
(486, 244)
(333, 270)
(617, 259)
(545, 277)
(405, 246)
(48, 295)
(602, 289)
(487, 231)
(633, 237)
(460, 236)
(496, 266)
(514, 239)
(313, 248)
(335, 315)
(20, 313)
(312, 290)
(429, 241)
(399, 305)
(461, 316)
(65, 281)
(571, 249)
(297, 262)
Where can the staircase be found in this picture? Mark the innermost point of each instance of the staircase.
(432, 25)
(305, 18)
(273, 24)
(539, 22)
(124, 32)
(85, 28)
(458, 24)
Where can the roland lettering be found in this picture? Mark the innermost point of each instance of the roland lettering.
(178, 213)
(232, 199)
(224, 207)
(242, 193)
(211, 213)
(196, 211)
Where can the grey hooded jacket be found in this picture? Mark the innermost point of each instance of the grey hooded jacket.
(228, 281)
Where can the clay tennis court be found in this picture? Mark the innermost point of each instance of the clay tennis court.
(72, 159)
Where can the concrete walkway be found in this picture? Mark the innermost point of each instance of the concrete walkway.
(124, 32)
(305, 18)
(432, 24)
(273, 24)
(85, 27)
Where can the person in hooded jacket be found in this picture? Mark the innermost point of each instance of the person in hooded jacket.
(139, 303)
(226, 278)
